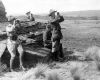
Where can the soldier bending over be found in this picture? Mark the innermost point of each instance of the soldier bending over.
(12, 42)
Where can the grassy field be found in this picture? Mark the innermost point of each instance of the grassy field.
(78, 36)
(81, 34)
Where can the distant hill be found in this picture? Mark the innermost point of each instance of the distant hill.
(88, 13)
(74, 15)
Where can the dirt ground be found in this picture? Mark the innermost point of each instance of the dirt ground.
(78, 35)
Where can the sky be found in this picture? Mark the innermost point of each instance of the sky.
(43, 6)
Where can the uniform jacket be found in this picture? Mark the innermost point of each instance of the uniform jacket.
(31, 18)
(56, 28)
(47, 33)
(11, 32)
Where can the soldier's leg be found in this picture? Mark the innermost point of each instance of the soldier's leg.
(55, 48)
(61, 54)
(11, 46)
(3, 47)
(12, 60)
(21, 51)
(13, 54)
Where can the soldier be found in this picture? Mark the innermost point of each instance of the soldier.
(30, 16)
(55, 19)
(12, 42)
(47, 36)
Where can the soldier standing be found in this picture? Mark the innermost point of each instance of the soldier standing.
(12, 42)
(30, 16)
(55, 19)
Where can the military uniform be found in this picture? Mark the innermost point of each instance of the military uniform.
(13, 44)
(47, 36)
(30, 16)
(56, 33)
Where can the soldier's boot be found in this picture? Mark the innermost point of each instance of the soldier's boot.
(61, 54)
(52, 56)
(49, 57)
(22, 68)
(55, 56)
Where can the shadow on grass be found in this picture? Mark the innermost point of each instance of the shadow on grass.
(71, 57)
(31, 60)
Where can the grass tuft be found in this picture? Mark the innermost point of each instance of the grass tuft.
(53, 76)
(40, 70)
(94, 54)
(75, 73)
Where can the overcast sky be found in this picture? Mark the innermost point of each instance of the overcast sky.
(43, 6)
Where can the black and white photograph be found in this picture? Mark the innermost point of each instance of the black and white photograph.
(49, 39)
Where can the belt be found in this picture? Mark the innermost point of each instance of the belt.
(11, 38)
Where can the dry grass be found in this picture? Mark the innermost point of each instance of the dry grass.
(41, 72)
(36, 73)
(53, 76)
(41, 68)
(3, 67)
(70, 71)
(94, 54)
(75, 73)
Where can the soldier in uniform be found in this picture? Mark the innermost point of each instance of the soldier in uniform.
(30, 16)
(55, 20)
(47, 36)
(12, 42)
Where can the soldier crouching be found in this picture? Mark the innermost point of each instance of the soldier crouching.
(12, 42)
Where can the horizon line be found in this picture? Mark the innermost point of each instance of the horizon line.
(17, 14)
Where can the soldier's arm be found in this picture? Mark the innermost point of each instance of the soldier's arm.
(7, 31)
(61, 18)
(32, 17)
(10, 31)
(57, 19)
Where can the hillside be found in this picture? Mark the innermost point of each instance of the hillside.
(88, 13)
(84, 13)
(77, 15)
(74, 15)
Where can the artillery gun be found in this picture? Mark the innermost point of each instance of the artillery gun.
(32, 32)
(31, 37)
